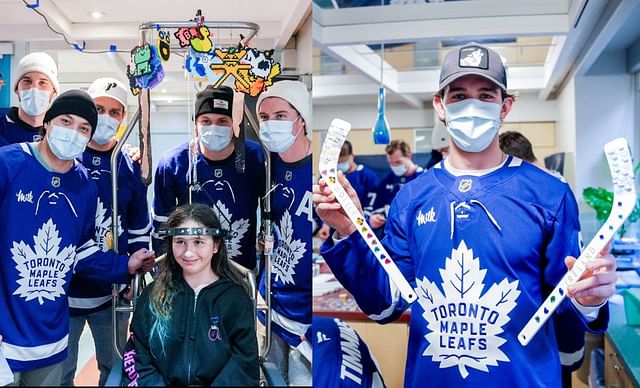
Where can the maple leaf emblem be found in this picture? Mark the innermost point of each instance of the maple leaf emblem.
(104, 236)
(464, 324)
(236, 230)
(288, 253)
(43, 270)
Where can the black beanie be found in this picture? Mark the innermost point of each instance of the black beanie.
(215, 100)
(76, 102)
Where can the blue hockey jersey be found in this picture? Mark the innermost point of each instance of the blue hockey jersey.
(291, 207)
(49, 225)
(481, 252)
(134, 223)
(341, 359)
(232, 195)
(14, 130)
(365, 183)
(389, 186)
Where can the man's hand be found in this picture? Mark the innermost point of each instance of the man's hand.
(142, 259)
(323, 232)
(329, 209)
(377, 221)
(134, 152)
(597, 283)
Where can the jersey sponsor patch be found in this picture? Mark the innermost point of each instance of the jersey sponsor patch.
(425, 218)
(465, 324)
(24, 197)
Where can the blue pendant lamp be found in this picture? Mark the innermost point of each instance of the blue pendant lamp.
(381, 127)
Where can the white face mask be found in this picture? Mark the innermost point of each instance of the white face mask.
(344, 167)
(214, 137)
(472, 123)
(399, 170)
(34, 101)
(106, 129)
(276, 134)
(66, 143)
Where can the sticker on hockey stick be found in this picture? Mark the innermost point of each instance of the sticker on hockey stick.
(624, 200)
(329, 155)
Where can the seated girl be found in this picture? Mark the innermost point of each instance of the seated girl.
(195, 324)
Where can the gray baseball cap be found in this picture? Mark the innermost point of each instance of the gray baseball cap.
(473, 59)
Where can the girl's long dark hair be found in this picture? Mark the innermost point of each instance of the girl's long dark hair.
(170, 273)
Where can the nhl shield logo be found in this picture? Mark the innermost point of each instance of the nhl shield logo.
(217, 173)
(55, 181)
(95, 161)
(465, 185)
(288, 175)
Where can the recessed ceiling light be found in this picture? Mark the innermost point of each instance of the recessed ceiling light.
(163, 90)
(97, 14)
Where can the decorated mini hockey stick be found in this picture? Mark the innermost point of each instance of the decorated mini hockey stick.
(336, 136)
(624, 200)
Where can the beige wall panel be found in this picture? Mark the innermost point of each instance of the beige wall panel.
(388, 343)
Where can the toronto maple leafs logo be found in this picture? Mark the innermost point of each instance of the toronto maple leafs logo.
(237, 229)
(464, 324)
(43, 270)
(104, 236)
(289, 252)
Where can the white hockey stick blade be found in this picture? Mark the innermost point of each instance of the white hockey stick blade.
(329, 155)
(624, 200)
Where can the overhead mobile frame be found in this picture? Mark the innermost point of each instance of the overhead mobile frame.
(141, 119)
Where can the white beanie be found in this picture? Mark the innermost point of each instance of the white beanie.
(40, 62)
(439, 135)
(295, 93)
(109, 87)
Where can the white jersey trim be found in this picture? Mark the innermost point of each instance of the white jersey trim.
(87, 252)
(290, 325)
(88, 303)
(395, 297)
(144, 230)
(139, 239)
(33, 353)
(160, 218)
(568, 359)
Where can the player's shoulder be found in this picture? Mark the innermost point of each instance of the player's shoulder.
(175, 155)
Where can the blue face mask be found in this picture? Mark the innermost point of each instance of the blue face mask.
(66, 143)
(472, 123)
(214, 137)
(344, 167)
(106, 129)
(34, 101)
(276, 134)
(399, 170)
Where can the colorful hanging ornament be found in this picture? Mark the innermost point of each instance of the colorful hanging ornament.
(145, 69)
(164, 45)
